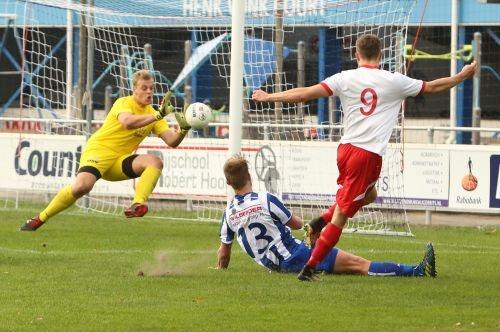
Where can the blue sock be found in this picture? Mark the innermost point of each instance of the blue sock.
(386, 269)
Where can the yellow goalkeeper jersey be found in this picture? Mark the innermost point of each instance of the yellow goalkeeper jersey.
(112, 135)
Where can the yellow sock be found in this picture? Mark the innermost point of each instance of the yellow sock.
(147, 182)
(61, 201)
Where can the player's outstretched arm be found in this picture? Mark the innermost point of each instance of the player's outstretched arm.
(296, 95)
(132, 121)
(223, 256)
(446, 83)
(173, 137)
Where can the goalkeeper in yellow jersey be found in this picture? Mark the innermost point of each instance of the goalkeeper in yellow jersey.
(109, 153)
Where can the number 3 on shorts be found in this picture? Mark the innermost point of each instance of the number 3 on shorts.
(371, 103)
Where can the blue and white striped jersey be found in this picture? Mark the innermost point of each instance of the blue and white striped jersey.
(259, 221)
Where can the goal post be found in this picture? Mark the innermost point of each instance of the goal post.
(236, 74)
(290, 148)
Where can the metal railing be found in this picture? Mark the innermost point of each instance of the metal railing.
(57, 126)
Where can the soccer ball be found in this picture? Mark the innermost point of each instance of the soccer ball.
(198, 115)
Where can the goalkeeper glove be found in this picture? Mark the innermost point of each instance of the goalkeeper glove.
(181, 120)
(165, 107)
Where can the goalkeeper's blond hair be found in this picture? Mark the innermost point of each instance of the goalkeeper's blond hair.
(143, 74)
(236, 172)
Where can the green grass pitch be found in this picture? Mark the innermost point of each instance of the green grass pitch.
(80, 272)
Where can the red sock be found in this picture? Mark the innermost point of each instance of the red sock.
(327, 215)
(327, 240)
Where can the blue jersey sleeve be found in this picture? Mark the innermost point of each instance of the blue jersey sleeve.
(277, 209)
(226, 233)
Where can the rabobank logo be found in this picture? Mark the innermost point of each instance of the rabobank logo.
(495, 181)
(469, 181)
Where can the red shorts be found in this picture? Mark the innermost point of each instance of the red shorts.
(359, 170)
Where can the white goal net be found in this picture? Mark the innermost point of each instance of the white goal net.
(186, 44)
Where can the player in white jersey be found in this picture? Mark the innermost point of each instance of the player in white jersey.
(261, 224)
(371, 99)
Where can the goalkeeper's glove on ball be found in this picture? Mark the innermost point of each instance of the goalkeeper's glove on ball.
(181, 120)
(165, 107)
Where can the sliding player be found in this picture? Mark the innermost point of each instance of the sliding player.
(262, 225)
(109, 153)
(371, 99)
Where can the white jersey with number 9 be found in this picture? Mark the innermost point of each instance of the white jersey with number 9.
(371, 100)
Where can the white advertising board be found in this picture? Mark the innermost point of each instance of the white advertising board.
(426, 176)
(46, 164)
(195, 168)
(309, 172)
(474, 181)
(188, 169)
(433, 174)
